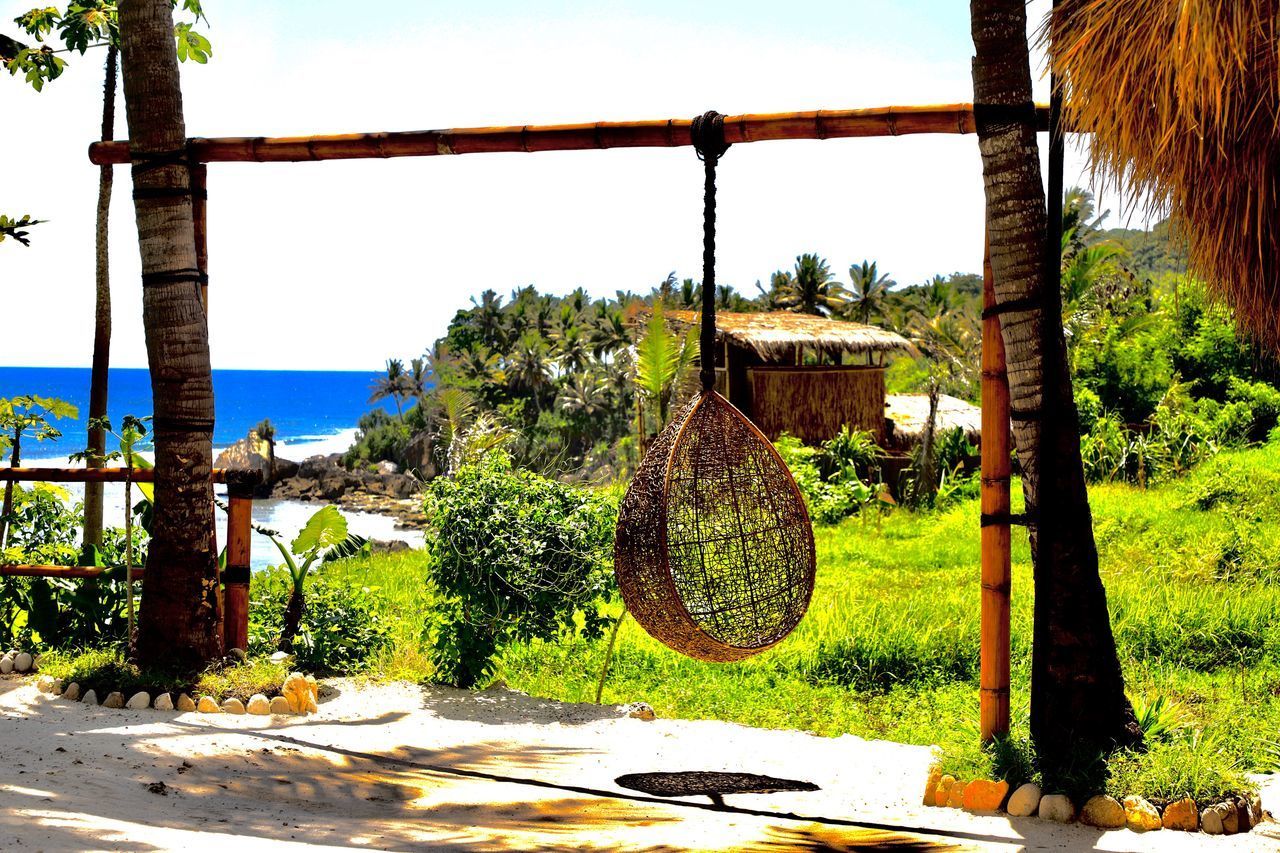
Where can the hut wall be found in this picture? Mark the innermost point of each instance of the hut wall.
(812, 403)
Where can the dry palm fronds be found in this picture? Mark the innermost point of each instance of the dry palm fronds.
(1182, 99)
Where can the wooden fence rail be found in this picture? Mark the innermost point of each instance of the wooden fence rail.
(235, 577)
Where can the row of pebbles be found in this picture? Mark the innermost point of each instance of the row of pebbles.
(257, 704)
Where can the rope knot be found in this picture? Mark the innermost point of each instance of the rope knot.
(707, 134)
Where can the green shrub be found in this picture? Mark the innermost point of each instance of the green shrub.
(832, 498)
(343, 627)
(514, 557)
(381, 437)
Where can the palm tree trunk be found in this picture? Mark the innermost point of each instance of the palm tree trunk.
(181, 613)
(293, 613)
(101, 316)
(1077, 689)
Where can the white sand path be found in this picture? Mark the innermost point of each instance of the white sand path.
(406, 768)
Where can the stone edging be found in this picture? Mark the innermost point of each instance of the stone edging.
(298, 696)
(1234, 815)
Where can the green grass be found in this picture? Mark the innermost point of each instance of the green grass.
(105, 669)
(889, 648)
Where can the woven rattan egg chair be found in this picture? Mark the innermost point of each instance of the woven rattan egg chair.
(714, 552)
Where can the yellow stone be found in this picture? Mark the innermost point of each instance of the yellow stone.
(280, 705)
(298, 691)
(931, 786)
(206, 705)
(955, 797)
(186, 703)
(943, 790)
(1140, 815)
(983, 795)
(1103, 812)
(1183, 815)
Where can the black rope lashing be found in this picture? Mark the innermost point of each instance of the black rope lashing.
(1022, 519)
(1025, 414)
(175, 424)
(991, 118)
(158, 279)
(141, 161)
(707, 134)
(235, 574)
(168, 192)
(1025, 303)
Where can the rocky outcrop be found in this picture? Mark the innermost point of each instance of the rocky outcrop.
(252, 453)
(383, 491)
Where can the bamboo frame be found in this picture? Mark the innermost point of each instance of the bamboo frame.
(39, 571)
(235, 613)
(993, 702)
(664, 133)
(105, 475)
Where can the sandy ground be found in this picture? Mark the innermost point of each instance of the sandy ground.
(402, 767)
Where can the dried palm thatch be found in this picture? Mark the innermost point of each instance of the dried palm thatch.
(714, 555)
(1182, 99)
(774, 335)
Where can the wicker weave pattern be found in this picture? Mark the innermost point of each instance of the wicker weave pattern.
(714, 553)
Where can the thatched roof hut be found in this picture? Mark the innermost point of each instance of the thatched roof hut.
(909, 414)
(760, 368)
(1181, 104)
(776, 336)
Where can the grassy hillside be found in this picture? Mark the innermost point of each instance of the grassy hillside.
(889, 648)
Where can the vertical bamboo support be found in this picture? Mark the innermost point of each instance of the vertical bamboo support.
(996, 561)
(199, 209)
(235, 578)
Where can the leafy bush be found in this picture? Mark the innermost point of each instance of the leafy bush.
(381, 437)
(343, 627)
(514, 557)
(829, 499)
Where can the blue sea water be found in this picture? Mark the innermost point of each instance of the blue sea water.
(303, 405)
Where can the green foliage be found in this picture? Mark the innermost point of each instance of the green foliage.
(663, 359)
(103, 668)
(837, 479)
(379, 437)
(13, 226)
(514, 557)
(345, 625)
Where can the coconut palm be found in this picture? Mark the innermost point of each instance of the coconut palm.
(663, 359)
(869, 292)
(181, 620)
(267, 433)
(391, 386)
(812, 288)
(1078, 704)
(530, 368)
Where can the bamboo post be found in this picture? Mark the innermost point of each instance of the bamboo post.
(199, 210)
(235, 578)
(996, 561)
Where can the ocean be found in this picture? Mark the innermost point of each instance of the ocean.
(314, 412)
(304, 406)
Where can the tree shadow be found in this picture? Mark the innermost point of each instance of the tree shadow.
(499, 705)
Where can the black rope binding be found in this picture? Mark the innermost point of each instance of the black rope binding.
(707, 133)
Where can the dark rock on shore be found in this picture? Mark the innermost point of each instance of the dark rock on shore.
(253, 453)
(384, 491)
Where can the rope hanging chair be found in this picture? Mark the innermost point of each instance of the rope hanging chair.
(714, 552)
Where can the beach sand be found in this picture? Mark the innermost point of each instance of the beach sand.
(402, 767)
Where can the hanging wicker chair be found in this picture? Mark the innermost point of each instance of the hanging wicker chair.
(714, 552)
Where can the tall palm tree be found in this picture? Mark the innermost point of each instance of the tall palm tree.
(530, 368)
(813, 289)
(391, 385)
(416, 380)
(181, 618)
(869, 292)
(1078, 703)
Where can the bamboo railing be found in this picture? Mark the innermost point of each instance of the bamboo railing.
(664, 133)
(235, 577)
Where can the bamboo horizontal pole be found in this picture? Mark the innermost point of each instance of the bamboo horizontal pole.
(61, 572)
(105, 475)
(664, 133)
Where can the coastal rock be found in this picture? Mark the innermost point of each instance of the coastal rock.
(1140, 815)
(420, 455)
(983, 795)
(139, 700)
(322, 478)
(22, 662)
(1057, 808)
(955, 797)
(1103, 812)
(931, 785)
(164, 702)
(1211, 822)
(384, 467)
(232, 706)
(72, 692)
(207, 705)
(90, 698)
(280, 705)
(115, 699)
(252, 453)
(943, 792)
(1182, 815)
(1025, 800)
(258, 704)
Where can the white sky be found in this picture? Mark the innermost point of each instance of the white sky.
(340, 265)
